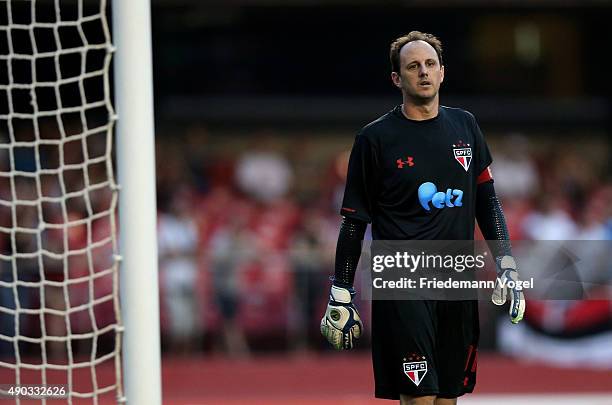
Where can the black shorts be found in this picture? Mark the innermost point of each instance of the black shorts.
(424, 348)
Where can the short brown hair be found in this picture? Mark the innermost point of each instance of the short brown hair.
(396, 47)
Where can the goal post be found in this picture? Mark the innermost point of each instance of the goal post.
(79, 301)
(137, 203)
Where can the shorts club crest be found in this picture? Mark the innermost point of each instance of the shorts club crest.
(416, 371)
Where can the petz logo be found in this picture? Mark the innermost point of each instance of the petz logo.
(428, 193)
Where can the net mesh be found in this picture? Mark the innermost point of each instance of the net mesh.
(59, 309)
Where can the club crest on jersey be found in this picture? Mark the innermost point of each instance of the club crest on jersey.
(463, 154)
(416, 371)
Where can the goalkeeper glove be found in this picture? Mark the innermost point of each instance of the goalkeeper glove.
(341, 324)
(507, 271)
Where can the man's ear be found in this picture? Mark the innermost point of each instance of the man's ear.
(441, 73)
(396, 79)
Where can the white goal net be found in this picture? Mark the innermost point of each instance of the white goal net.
(59, 311)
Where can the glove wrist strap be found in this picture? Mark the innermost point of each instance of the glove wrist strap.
(341, 295)
(505, 263)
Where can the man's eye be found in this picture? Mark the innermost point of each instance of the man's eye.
(431, 63)
(411, 67)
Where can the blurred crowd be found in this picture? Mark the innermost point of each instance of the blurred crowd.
(248, 227)
(245, 247)
(60, 260)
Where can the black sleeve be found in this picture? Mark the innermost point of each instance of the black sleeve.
(348, 251)
(483, 155)
(360, 191)
(491, 220)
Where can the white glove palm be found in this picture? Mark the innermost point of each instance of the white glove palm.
(341, 324)
(507, 271)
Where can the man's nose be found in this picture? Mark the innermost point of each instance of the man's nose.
(422, 70)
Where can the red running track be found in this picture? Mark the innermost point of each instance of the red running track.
(350, 375)
(335, 378)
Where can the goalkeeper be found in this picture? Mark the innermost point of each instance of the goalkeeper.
(423, 352)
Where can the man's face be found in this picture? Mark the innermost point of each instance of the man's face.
(420, 73)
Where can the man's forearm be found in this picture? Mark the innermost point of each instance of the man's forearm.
(348, 251)
(491, 220)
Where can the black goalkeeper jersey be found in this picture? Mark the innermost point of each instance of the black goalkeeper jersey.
(417, 179)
